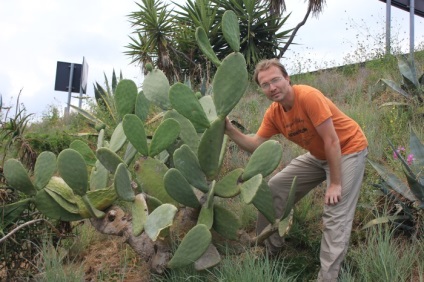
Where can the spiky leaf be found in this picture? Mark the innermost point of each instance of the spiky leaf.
(94, 212)
(208, 107)
(393, 181)
(98, 176)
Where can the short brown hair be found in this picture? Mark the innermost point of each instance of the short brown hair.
(266, 64)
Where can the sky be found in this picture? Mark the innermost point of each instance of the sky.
(35, 35)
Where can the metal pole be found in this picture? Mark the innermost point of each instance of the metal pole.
(70, 89)
(388, 21)
(80, 98)
(411, 29)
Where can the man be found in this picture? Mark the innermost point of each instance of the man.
(337, 149)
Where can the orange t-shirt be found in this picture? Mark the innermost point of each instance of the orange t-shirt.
(310, 109)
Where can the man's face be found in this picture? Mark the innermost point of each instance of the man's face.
(275, 86)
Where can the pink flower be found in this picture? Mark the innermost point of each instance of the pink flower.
(399, 149)
(410, 159)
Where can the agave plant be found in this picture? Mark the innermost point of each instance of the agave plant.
(412, 87)
(408, 193)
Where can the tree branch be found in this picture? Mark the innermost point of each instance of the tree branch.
(284, 49)
(29, 223)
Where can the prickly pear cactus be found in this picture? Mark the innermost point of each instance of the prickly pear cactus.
(176, 167)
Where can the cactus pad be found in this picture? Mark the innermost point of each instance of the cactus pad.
(229, 84)
(186, 103)
(188, 133)
(228, 186)
(210, 258)
(139, 214)
(142, 106)
(108, 159)
(156, 89)
(17, 177)
(85, 151)
(290, 199)
(44, 169)
(250, 187)
(194, 244)
(210, 148)
(122, 182)
(231, 30)
(164, 136)
(263, 160)
(118, 138)
(161, 218)
(208, 107)
(125, 97)
(72, 167)
(187, 163)
(226, 222)
(204, 45)
(149, 173)
(264, 203)
(179, 189)
(50, 208)
(134, 130)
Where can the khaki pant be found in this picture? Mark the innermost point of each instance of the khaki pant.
(337, 219)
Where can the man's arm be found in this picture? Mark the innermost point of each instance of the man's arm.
(246, 142)
(333, 154)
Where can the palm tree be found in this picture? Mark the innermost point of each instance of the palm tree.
(154, 25)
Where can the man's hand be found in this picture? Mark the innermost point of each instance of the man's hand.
(333, 195)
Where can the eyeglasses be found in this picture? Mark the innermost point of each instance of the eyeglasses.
(265, 86)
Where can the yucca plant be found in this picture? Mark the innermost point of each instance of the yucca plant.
(407, 194)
